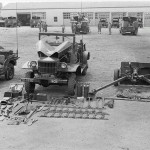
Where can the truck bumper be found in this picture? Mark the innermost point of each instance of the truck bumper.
(49, 81)
(128, 29)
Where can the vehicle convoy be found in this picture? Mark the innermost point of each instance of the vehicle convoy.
(61, 59)
(80, 24)
(34, 21)
(12, 22)
(129, 25)
(115, 22)
(104, 22)
(8, 60)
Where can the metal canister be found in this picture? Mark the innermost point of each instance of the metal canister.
(79, 89)
(86, 89)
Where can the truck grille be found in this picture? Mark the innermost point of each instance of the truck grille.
(47, 67)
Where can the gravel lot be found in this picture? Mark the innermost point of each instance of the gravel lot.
(128, 125)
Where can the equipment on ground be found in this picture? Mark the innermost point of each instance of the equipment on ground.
(8, 59)
(34, 21)
(129, 25)
(104, 22)
(80, 24)
(115, 23)
(61, 59)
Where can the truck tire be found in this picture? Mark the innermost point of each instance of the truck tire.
(116, 76)
(29, 86)
(72, 84)
(10, 72)
(85, 70)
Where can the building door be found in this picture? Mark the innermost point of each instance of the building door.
(24, 18)
(147, 19)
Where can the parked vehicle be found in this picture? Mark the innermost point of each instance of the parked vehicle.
(12, 22)
(104, 22)
(34, 21)
(115, 22)
(61, 59)
(80, 24)
(8, 59)
(140, 22)
(129, 25)
(2, 22)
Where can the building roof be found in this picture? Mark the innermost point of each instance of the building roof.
(76, 5)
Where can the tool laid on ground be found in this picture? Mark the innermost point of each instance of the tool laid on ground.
(59, 109)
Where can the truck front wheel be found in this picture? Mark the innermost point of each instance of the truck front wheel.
(72, 84)
(29, 86)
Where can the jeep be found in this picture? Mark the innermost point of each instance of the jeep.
(61, 59)
(8, 60)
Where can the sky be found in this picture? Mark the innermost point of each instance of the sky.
(4, 2)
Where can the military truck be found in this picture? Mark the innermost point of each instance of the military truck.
(129, 25)
(104, 22)
(80, 24)
(115, 22)
(34, 21)
(61, 59)
(8, 60)
(12, 22)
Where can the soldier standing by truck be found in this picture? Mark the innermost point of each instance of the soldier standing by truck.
(99, 27)
(44, 26)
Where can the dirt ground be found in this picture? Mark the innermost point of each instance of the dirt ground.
(128, 125)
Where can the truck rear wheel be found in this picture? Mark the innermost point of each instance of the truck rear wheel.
(29, 86)
(116, 76)
(10, 72)
(72, 84)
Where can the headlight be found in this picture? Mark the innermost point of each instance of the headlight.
(33, 64)
(63, 65)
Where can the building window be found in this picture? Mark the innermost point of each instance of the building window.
(55, 19)
(42, 15)
(66, 15)
(99, 15)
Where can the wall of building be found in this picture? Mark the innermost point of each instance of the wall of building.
(58, 17)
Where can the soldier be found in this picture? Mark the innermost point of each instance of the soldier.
(109, 28)
(74, 28)
(45, 27)
(99, 27)
(39, 26)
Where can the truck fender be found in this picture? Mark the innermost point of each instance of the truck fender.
(86, 56)
(26, 65)
(73, 67)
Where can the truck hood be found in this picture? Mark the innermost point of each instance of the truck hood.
(51, 51)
